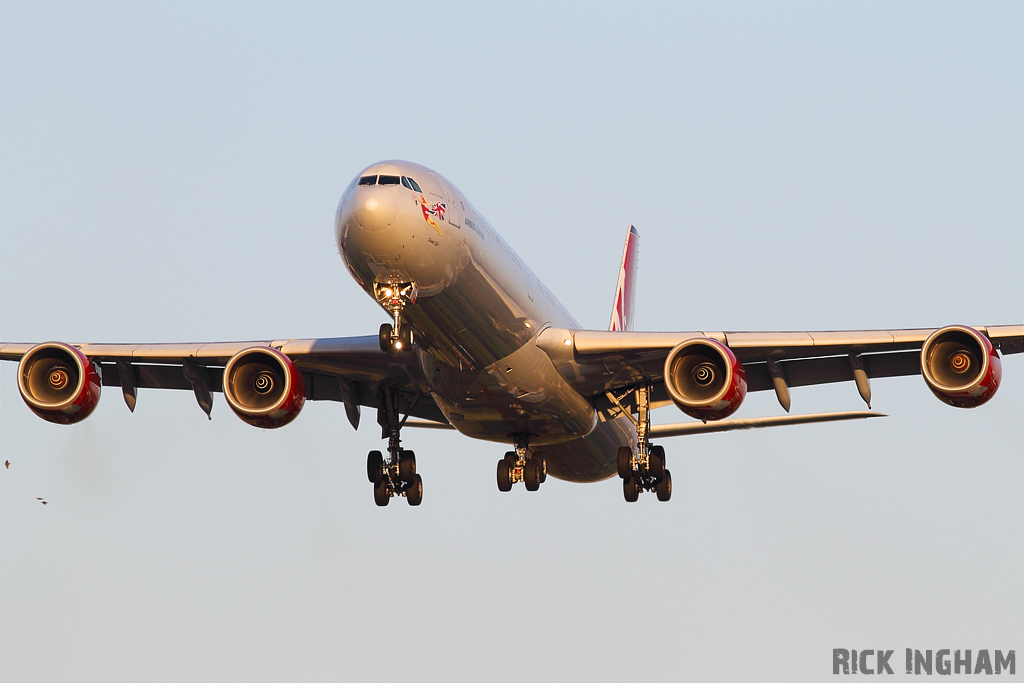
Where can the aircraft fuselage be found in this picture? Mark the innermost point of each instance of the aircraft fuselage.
(476, 312)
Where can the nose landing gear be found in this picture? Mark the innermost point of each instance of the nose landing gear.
(645, 469)
(394, 296)
(522, 465)
(397, 475)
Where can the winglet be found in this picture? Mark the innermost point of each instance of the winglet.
(625, 290)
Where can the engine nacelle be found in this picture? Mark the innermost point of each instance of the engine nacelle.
(58, 383)
(704, 379)
(960, 366)
(264, 387)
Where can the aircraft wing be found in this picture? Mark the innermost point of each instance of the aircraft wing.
(604, 361)
(349, 370)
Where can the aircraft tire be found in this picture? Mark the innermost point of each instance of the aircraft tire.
(531, 474)
(380, 494)
(630, 490)
(385, 337)
(375, 467)
(415, 492)
(405, 336)
(407, 466)
(539, 457)
(622, 462)
(504, 475)
(664, 487)
(656, 461)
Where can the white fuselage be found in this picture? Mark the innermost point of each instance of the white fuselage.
(477, 312)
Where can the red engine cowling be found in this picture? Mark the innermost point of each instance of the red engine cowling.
(58, 383)
(704, 379)
(264, 387)
(960, 366)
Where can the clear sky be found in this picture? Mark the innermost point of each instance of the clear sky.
(170, 174)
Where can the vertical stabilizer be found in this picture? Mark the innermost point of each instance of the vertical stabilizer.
(625, 290)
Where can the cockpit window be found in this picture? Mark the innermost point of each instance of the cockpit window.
(405, 183)
(388, 180)
(368, 180)
(415, 186)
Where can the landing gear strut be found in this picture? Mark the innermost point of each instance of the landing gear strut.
(522, 465)
(393, 296)
(395, 476)
(643, 470)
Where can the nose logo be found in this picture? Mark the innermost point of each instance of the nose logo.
(435, 209)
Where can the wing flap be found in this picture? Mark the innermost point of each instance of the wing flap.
(803, 372)
(156, 377)
(687, 428)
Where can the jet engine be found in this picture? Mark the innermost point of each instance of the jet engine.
(704, 379)
(264, 387)
(58, 383)
(960, 366)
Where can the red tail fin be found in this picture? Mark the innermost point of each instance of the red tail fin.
(625, 291)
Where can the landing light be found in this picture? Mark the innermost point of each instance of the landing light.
(398, 346)
(568, 342)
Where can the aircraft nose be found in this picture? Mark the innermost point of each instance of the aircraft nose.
(375, 209)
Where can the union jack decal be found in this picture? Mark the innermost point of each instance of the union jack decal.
(435, 209)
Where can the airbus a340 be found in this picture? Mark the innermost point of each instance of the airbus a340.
(478, 344)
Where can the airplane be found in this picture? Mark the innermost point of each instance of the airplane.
(478, 344)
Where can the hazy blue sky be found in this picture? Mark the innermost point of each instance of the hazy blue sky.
(170, 174)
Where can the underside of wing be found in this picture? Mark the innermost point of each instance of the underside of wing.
(961, 364)
(283, 374)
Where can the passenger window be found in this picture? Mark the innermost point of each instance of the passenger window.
(368, 180)
(405, 182)
(388, 180)
(415, 186)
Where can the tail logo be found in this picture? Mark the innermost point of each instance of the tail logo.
(625, 289)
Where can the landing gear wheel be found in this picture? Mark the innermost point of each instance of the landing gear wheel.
(385, 337)
(407, 466)
(656, 461)
(375, 467)
(504, 475)
(404, 339)
(531, 474)
(380, 494)
(623, 462)
(414, 494)
(510, 458)
(630, 490)
(539, 457)
(664, 487)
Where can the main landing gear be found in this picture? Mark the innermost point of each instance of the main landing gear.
(397, 475)
(522, 465)
(645, 469)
